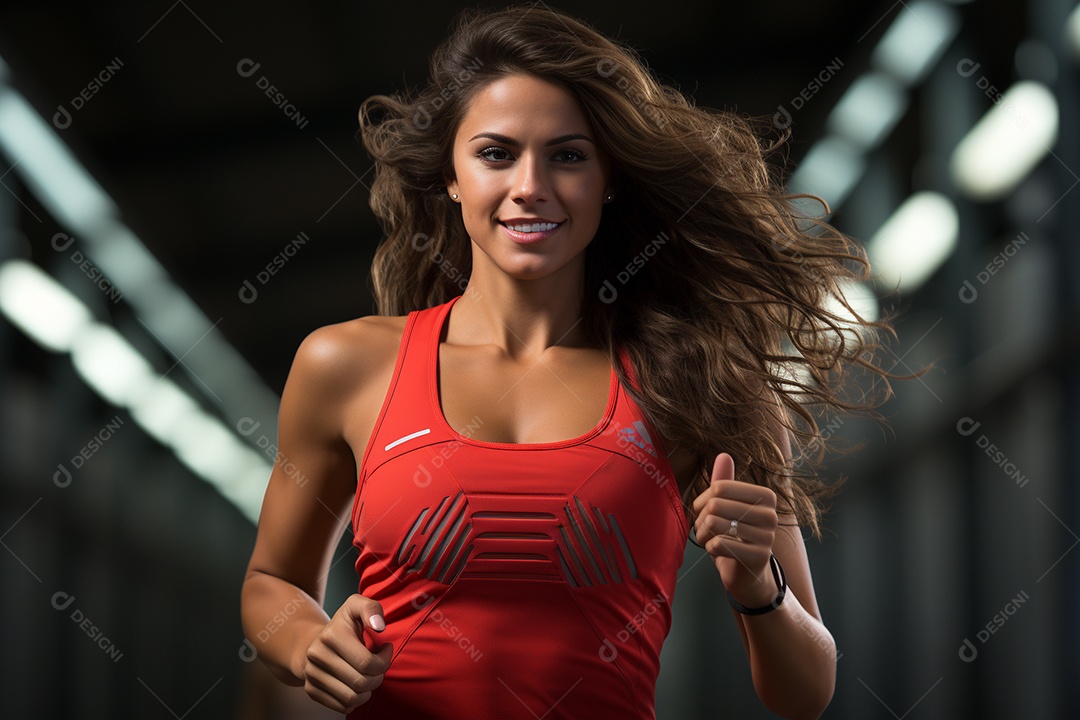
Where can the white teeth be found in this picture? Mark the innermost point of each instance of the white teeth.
(535, 227)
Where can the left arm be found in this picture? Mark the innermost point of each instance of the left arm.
(792, 654)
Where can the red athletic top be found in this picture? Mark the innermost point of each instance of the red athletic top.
(516, 580)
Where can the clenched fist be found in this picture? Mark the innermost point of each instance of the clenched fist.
(736, 523)
(340, 671)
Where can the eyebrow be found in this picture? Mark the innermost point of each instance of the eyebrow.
(510, 141)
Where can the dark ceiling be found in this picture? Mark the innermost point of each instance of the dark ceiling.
(216, 180)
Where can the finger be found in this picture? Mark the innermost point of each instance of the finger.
(364, 612)
(380, 661)
(751, 514)
(745, 492)
(723, 468)
(327, 662)
(319, 683)
(703, 497)
(323, 698)
(358, 658)
(734, 531)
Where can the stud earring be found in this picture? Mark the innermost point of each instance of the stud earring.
(609, 198)
(454, 196)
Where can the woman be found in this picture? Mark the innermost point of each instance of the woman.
(567, 239)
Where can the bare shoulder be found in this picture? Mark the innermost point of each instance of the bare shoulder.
(335, 357)
(339, 377)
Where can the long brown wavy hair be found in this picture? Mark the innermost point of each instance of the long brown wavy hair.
(735, 317)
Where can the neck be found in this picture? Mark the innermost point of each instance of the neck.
(522, 318)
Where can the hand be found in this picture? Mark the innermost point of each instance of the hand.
(340, 671)
(741, 555)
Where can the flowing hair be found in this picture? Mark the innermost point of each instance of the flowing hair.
(730, 302)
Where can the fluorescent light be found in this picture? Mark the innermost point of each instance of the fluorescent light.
(57, 320)
(916, 40)
(123, 256)
(830, 170)
(160, 408)
(249, 489)
(58, 180)
(53, 174)
(41, 307)
(1007, 142)
(916, 239)
(868, 109)
(109, 364)
(212, 451)
(1072, 31)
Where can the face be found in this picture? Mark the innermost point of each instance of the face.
(530, 178)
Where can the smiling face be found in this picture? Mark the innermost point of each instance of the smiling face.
(530, 178)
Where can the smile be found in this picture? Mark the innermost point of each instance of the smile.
(533, 227)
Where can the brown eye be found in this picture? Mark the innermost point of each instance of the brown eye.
(486, 153)
(574, 156)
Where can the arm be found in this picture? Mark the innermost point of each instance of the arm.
(299, 526)
(792, 654)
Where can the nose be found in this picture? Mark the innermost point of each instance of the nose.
(530, 180)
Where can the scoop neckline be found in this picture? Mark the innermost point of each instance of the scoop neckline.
(433, 384)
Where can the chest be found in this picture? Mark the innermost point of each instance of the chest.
(558, 396)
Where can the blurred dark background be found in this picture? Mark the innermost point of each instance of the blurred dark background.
(185, 198)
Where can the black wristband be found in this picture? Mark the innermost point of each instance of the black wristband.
(781, 583)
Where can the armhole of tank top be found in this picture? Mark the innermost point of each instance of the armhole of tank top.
(628, 368)
(674, 495)
(399, 361)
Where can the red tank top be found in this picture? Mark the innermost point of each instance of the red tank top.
(516, 580)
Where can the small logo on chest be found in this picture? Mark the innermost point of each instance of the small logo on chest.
(637, 436)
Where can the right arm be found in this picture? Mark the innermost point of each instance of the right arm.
(299, 526)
